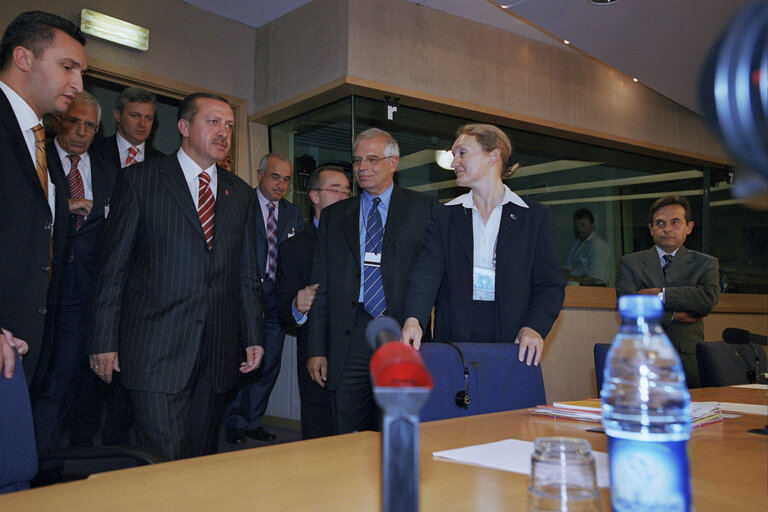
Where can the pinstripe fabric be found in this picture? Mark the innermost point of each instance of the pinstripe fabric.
(160, 293)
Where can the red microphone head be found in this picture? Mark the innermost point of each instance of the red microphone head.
(397, 365)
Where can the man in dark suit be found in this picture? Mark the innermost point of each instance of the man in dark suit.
(41, 64)
(177, 296)
(362, 273)
(90, 184)
(295, 294)
(134, 113)
(276, 220)
(687, 282)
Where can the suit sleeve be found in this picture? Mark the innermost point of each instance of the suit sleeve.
(318, 320)
(547, 280)
(699, 298)
(119, 236)
(427, 274)
(288, 284)
(250, 283)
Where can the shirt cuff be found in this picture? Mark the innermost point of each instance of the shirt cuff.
(298, 316)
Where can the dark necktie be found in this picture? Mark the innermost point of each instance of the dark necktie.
(271, 241)
(206, 206)
(41, 163)
(130, 158)
(374, 301)
(76, 188)
(667, 262)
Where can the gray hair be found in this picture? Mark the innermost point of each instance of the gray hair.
(265, 158)
(391, 147)
(89, 99)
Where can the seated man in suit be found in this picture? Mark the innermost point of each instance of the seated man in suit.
(590, 260)
(90, 181)
(276, 220)
(687, 282)
(296, 293)
(134, 113)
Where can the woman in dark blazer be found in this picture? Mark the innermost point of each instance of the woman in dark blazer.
(488, 258)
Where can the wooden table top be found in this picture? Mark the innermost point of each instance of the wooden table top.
(342, 473)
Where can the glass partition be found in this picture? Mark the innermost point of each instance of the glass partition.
(617, 186)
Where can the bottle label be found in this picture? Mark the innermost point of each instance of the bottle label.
(649, 476)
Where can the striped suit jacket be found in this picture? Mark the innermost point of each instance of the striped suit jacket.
(161, 298)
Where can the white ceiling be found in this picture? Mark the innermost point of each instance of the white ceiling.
(663, 43)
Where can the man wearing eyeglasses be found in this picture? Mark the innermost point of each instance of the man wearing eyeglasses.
(326, 185)
(90, 183)
(366, 249)
(687, 282)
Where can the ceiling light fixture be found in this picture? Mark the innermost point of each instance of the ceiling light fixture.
(603, 2)
(114, 30)
(565, 41)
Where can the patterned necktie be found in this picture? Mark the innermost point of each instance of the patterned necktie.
(206, 205)
(271, 241)
(41, 163)
(667, 262)
(130, 158)
(76, 188)
(374, 301)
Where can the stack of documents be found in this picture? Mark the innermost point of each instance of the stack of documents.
(702, 413)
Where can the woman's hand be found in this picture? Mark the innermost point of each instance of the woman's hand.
(530, 340)
(411, 333)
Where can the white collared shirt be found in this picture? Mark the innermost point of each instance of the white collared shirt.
(661, 252)
(27, 120)
(192, 175)
(265, 209)
(485, 235)
(84, 166)
(122, 149)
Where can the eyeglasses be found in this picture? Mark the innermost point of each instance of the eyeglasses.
(370, 160)
(345, 193)
(675, 223)
(89, 126)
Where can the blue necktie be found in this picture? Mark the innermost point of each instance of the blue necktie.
(374, 301)
(667, 262)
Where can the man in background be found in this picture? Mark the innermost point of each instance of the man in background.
(295, 294)
(687, 282)
(590, 260)
(42, 60)
(276, 220)
(134, 113)
(90, 182)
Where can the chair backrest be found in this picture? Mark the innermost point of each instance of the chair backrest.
(600, 353)
(18, 455)
(726, 364)
(497, 380)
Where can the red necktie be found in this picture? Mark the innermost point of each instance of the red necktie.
(206, 205)
(271, 241)
(130, 159)
(76, 188)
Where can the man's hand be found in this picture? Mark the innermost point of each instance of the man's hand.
(7, 355)
(685, 318)
(104, 364)
(80, 206)
(411, 333)
(649, 291)
(305, 298)
(253, 355)
(530, 340)
(318, 369)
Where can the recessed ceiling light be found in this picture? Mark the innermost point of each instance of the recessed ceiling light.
(634, 79)
(603, 2)
(565, 41)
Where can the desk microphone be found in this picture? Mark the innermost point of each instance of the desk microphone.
(742, 337)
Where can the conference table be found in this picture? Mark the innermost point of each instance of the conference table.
(342, 473)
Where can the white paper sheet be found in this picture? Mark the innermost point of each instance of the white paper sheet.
(744, 408)
(511, 455)
(752, 386)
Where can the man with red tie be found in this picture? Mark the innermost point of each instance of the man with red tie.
(176, 305)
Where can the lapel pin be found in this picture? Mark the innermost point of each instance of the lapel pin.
(514, 217)
(226, 191)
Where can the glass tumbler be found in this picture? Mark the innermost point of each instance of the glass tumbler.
(563, 476)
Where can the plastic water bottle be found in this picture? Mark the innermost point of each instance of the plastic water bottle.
(646, 413)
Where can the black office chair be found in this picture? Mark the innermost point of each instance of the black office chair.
(737, 360)
(479, 378)
(600, 352)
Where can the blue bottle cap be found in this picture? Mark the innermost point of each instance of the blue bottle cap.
(634, 306)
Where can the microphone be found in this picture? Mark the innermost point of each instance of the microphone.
(743, 337)
(382, 330)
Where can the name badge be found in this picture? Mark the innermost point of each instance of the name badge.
(372, 259)
(483, 283)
